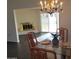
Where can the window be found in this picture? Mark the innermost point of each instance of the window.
(49, 23)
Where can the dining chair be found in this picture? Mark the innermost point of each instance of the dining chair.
(63, 32)
(35, 52)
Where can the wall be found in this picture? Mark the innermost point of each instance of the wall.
(28, 15)
(11, 32)
(65, 18)
(16, 4)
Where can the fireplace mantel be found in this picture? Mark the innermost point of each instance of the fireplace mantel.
(25, 32)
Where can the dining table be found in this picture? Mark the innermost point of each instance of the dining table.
(63, 52)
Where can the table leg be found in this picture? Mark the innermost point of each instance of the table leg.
(63, 57)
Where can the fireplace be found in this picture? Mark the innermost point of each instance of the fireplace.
(27, 26)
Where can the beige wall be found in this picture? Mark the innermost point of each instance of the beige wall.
(65, 17)
(16, 4)
(28, 15)
(33, 16)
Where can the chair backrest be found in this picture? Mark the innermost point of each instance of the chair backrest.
(63, 32)
(35, 53)
(31, 39)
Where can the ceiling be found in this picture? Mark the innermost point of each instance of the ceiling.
(22, 3)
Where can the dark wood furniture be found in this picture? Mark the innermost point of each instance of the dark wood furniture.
(63, 32)
(64, 52)
(36, 52)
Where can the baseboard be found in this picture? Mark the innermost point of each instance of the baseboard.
(11, 43)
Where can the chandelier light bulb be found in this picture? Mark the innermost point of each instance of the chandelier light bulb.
(41, 3)
(56, 1)
(45, 3)
(61, 3)
(52, 5)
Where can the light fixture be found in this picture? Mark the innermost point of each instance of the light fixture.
(51, 6)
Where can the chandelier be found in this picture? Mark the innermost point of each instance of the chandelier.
(51, 6)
